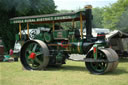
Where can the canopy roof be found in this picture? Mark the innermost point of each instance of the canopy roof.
(49, 18)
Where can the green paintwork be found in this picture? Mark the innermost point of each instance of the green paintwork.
(77, 47)
(71, 33)
(59, 57)
(60, 34)
(17, 37)
(47, 37)
(40, 36)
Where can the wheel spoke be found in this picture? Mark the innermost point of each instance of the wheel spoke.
(30, 61)
(30, 47)
(39, 54)
(100, 67)
(28, 52)
(38, 60)
(97, 66)
(27, 57)
(34, 48)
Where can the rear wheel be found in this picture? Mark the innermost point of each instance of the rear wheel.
(102, 67)
(34, 55)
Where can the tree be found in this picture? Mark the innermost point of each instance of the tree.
(97, 17)
(122, 24)
(112, 13)
(15, 8)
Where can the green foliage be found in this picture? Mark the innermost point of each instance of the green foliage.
(65, 25)
(97, 17)
(14, 8)
(122, 24)
(65, 11)
(96, 23)
(112, 14)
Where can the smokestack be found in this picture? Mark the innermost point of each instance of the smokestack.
(88, 23)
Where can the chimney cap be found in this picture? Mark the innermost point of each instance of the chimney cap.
(88, 6)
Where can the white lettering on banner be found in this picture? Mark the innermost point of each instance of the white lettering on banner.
(42, 19)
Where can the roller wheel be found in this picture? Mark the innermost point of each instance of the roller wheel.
(34, 55)
(102, 67)
(111, 55)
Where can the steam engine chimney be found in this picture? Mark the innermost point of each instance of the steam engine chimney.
(88, 23)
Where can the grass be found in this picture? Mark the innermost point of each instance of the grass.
(73, 73)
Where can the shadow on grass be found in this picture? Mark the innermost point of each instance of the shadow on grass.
(68, 68)
(118, 71)
(123, 60)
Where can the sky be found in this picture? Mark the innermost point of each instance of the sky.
(77, 4)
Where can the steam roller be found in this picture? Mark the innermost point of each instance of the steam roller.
(53, 45)
(35, 56)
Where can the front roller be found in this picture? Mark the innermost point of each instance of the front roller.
(107, 60)
(34, 55)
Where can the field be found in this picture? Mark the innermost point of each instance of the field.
(73, 73)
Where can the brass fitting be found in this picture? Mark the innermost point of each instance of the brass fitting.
(88, 6)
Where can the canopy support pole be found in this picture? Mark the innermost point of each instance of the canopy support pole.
(28, 29)
(73, 24)
(53, 26)
(81, 25)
